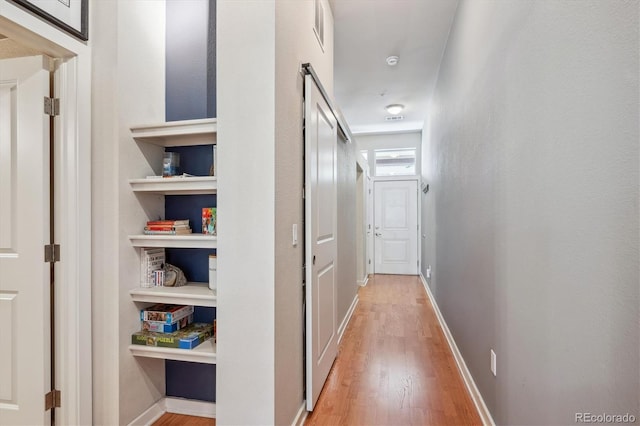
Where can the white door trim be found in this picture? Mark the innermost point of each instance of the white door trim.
(72, 159)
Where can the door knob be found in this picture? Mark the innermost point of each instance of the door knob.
(378, 234)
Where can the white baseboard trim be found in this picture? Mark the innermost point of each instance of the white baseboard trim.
(483, 411)
(301, 416)
(187, 407)
(152, 414)
(363, 282)
(345, 321)
(190, 407)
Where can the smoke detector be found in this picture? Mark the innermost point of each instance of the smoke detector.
(392, 61)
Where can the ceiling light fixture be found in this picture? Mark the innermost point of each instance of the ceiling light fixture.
(394, 108)
(392, 61)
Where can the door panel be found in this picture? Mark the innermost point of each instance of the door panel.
(24, 230)
(396, 227)
(320, 240)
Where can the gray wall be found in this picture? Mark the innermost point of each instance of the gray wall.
(531, 151)
(347, 280)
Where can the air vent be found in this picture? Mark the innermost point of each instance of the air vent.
(394, 117)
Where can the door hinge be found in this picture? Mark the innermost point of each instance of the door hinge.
(52, 253)
(52, 400)
(52, 106)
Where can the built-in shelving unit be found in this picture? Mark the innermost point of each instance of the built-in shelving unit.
(175, 241)
(204, 353)
(197, 294)
(182, 185)
(177, 134)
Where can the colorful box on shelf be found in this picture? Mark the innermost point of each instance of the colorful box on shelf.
(163, 312)
(163, 327)
(187, 338)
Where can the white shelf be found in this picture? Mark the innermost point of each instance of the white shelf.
(197, 294)
(187, 185)
(175, 241)
(204, 353)
(178, 133)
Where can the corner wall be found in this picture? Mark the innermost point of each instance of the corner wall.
(531, 152)
(128, 87)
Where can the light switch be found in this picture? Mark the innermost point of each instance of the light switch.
(294, 235)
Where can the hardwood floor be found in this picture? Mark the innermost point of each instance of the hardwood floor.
(394, 366)
(169, 419)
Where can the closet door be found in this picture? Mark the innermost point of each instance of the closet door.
(320, 239)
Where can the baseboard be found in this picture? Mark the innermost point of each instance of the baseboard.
(301, 416)
(345, 321)
(190, 407)
(483, 411)
(187, 407)
(152, 414)
(364, 282)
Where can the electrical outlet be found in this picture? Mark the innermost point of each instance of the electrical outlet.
(493, 362)
(429, 272)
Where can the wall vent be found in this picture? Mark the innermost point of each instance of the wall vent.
(394, 117)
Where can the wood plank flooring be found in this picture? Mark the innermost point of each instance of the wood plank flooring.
(394, 366)
(170, 419)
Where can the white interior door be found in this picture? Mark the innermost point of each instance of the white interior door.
(396, 227)
(320, 240)
(24, 230)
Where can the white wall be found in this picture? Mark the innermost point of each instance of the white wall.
(531, 152)
(245, 381)
(128, 82)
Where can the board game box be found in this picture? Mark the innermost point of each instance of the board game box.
(163, 327)
(166, 313)
(187, 338)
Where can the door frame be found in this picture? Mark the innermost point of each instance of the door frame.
(418, 212)
(72, 195)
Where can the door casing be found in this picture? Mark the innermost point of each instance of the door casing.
(72, 183)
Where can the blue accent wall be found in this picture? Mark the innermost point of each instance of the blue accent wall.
(191, 94)
(190, 65)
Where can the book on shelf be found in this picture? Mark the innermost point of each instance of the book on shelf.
(164, 312)
(168, 222)
(151, 260)
(166, 227)
(187, 338)
(177, 231)
(163, 327)
(209, 221)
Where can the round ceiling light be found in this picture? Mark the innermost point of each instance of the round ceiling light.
(394, 108)
(392, 61)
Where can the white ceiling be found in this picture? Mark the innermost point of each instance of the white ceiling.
(366, 33)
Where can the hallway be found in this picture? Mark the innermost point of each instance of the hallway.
(394, 366)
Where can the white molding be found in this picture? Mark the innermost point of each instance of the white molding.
(301, 416)
(187, 407)
(364, 282)
(190, 407)
(483, 411)
(347, 317)
(152, 414)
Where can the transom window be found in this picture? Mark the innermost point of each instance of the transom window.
(395, 162)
